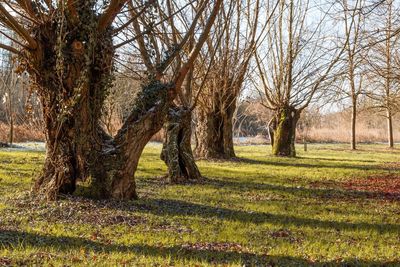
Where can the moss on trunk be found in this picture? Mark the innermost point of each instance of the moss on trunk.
(72, 72)
(177, 151)
(285, 132)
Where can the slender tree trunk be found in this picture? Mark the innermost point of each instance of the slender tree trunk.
(285, 133)
(353, 124)
(11, 112)
(214, 131)
(177, 151)
(11, 132)
(390, 128)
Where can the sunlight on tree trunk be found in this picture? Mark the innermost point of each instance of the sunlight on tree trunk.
(214, 133)
(177, 151)
(285, 133)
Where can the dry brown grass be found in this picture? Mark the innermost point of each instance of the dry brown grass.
(341, 133)
(22, 133)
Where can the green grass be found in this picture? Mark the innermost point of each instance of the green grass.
(261, 211)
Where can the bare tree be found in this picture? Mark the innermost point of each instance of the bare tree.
(353, 19)
(241, 34)
(295, 64)
(381, 63)
(68, 48)
(173, 31)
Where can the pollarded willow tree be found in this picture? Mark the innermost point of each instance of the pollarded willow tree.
(295, 63)
(68, 49)
(170, 32)
(175, 28)
(241, 29)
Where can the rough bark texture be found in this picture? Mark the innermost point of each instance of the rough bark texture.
(177, 151)
(146, 119)
(214, 130)
(285, 132)
(72, 72)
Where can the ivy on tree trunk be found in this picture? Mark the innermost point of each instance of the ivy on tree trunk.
(72, 72)
(177, 151)
(284, 132)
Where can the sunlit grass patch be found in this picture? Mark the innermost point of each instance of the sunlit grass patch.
(257, 210)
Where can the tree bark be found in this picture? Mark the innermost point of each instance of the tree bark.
(214, 130)
(177, 151)
(271, 129)
(390, 128)
(73, 77)
(146, 119)
(353, 124)
(285, 132)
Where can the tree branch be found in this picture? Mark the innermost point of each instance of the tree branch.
(10, 20)
(109, 15)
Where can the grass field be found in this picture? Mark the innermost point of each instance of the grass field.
(328, 207)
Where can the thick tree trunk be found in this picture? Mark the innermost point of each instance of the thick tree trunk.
(353, 124)
(214, 131)
(177, 151)
(285, 132)
(109, 163)
(72, 90)
(120, 156)
(72, 74)
(390, 128)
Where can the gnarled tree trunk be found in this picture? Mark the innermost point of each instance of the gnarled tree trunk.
(73, 76)
(285, 132)
(72, 73)
(146, 119)
(177, 151)
(214, 130)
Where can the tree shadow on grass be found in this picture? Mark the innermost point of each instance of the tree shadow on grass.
(17, 239)
(337, 160)
(294, 163)
(170, 207)
(12, 239)
(334, 193)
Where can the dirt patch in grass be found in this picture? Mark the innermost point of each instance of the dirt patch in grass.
(385, 187)
(380, 187)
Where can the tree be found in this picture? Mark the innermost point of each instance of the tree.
(381, 64)
(68, 49)
(352, 86)
(240, 31)
(299, 55)
(177, 152)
